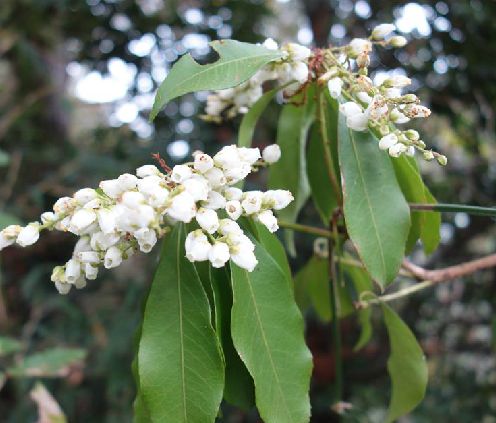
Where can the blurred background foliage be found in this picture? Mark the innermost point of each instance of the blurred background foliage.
(77, 79)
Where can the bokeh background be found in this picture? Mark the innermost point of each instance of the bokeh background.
(77, 79)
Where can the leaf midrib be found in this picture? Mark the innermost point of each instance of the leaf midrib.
(355, 153)
(264, 338)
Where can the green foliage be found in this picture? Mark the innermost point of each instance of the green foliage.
(180, 366)
(267, 331)
(290, 172)
(237, 62)
(406, 366)
(376, 213)
(49, 363)
(9, 345)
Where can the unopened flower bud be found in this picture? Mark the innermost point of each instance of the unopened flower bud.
(271, 153)
(363, 59)
(203, 162)
(382, 30)
(388, 141)
(442, 160)
(412, 135)
(398, 41)
(428, 155)
(219, 254)
(29, 234)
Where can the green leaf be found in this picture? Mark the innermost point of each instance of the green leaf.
(267, 330)
(239, 389)
(376, 213)
(407, 366)
(237, 62)
(425, 225)
(180, 364)
(290, 171)
(250, 119)
(320, 183)
(50, 363)
(9, 345)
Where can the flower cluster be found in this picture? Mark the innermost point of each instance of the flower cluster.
(291, 70)
(132, 212)
(379, 107)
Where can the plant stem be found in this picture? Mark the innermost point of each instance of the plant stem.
(312, 230)
(395, 295)
(453, 208)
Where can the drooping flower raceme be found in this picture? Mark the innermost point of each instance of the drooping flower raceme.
(132, 212)
(380, 106)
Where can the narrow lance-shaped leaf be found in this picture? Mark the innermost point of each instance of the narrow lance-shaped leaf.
(290, 171)
(425, 225)
(406, 366)
(267, 331)
(239, 389)
(179, 361)
(376, 213)
(237, 62)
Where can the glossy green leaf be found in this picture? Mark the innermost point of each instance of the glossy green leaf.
(250, 119)
(267, 330)
(237, 62)
(49, 363)
(239, 389)
(323, 195)
(407, 366)
(140, 412)
(180, 364)
(425, 225)
(376, 213)
(290, 171)
(9, 345)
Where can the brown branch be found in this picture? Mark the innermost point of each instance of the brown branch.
(451, 272)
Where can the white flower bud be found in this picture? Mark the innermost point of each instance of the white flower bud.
(412, 135)
(228, 156)
(147, 238)
(334, 86)
(244, 258)
(89, 257)
(252, 201)
(63, 287)
(398, 117)
(80, 282)
(417, 111)
(236, 174)
(277, 199)
(203, 162)
(149, 184)
(29, 234)
(180, 173)
(397, 81)
(397, 149)
(182, 208)
(410, 151)
(84, 195)
(268, 219)
(197, 246)
(398, 41)
(350, 108)
(364, 97)
(90, 271)
(197, 186)
(271, 153)
(207, 219)
(219, 254)
(300, 72)
(359, 45)
(112, 188)
(428, 155)
(215, 177)
(9, 235)
(228, 227)
(382, 30)
(64, 205)
(234, 209)
(270, 44)
(249, 155)
(113, 257)
(358, 122)
(133, 199)
(298, 52)
(72, 270)
(107, 220)
(101, 242)
(214, 201)
(81, 220)
(48, 218)
(233, 193)
(127, 182)
(147, 170)
(388, 141)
